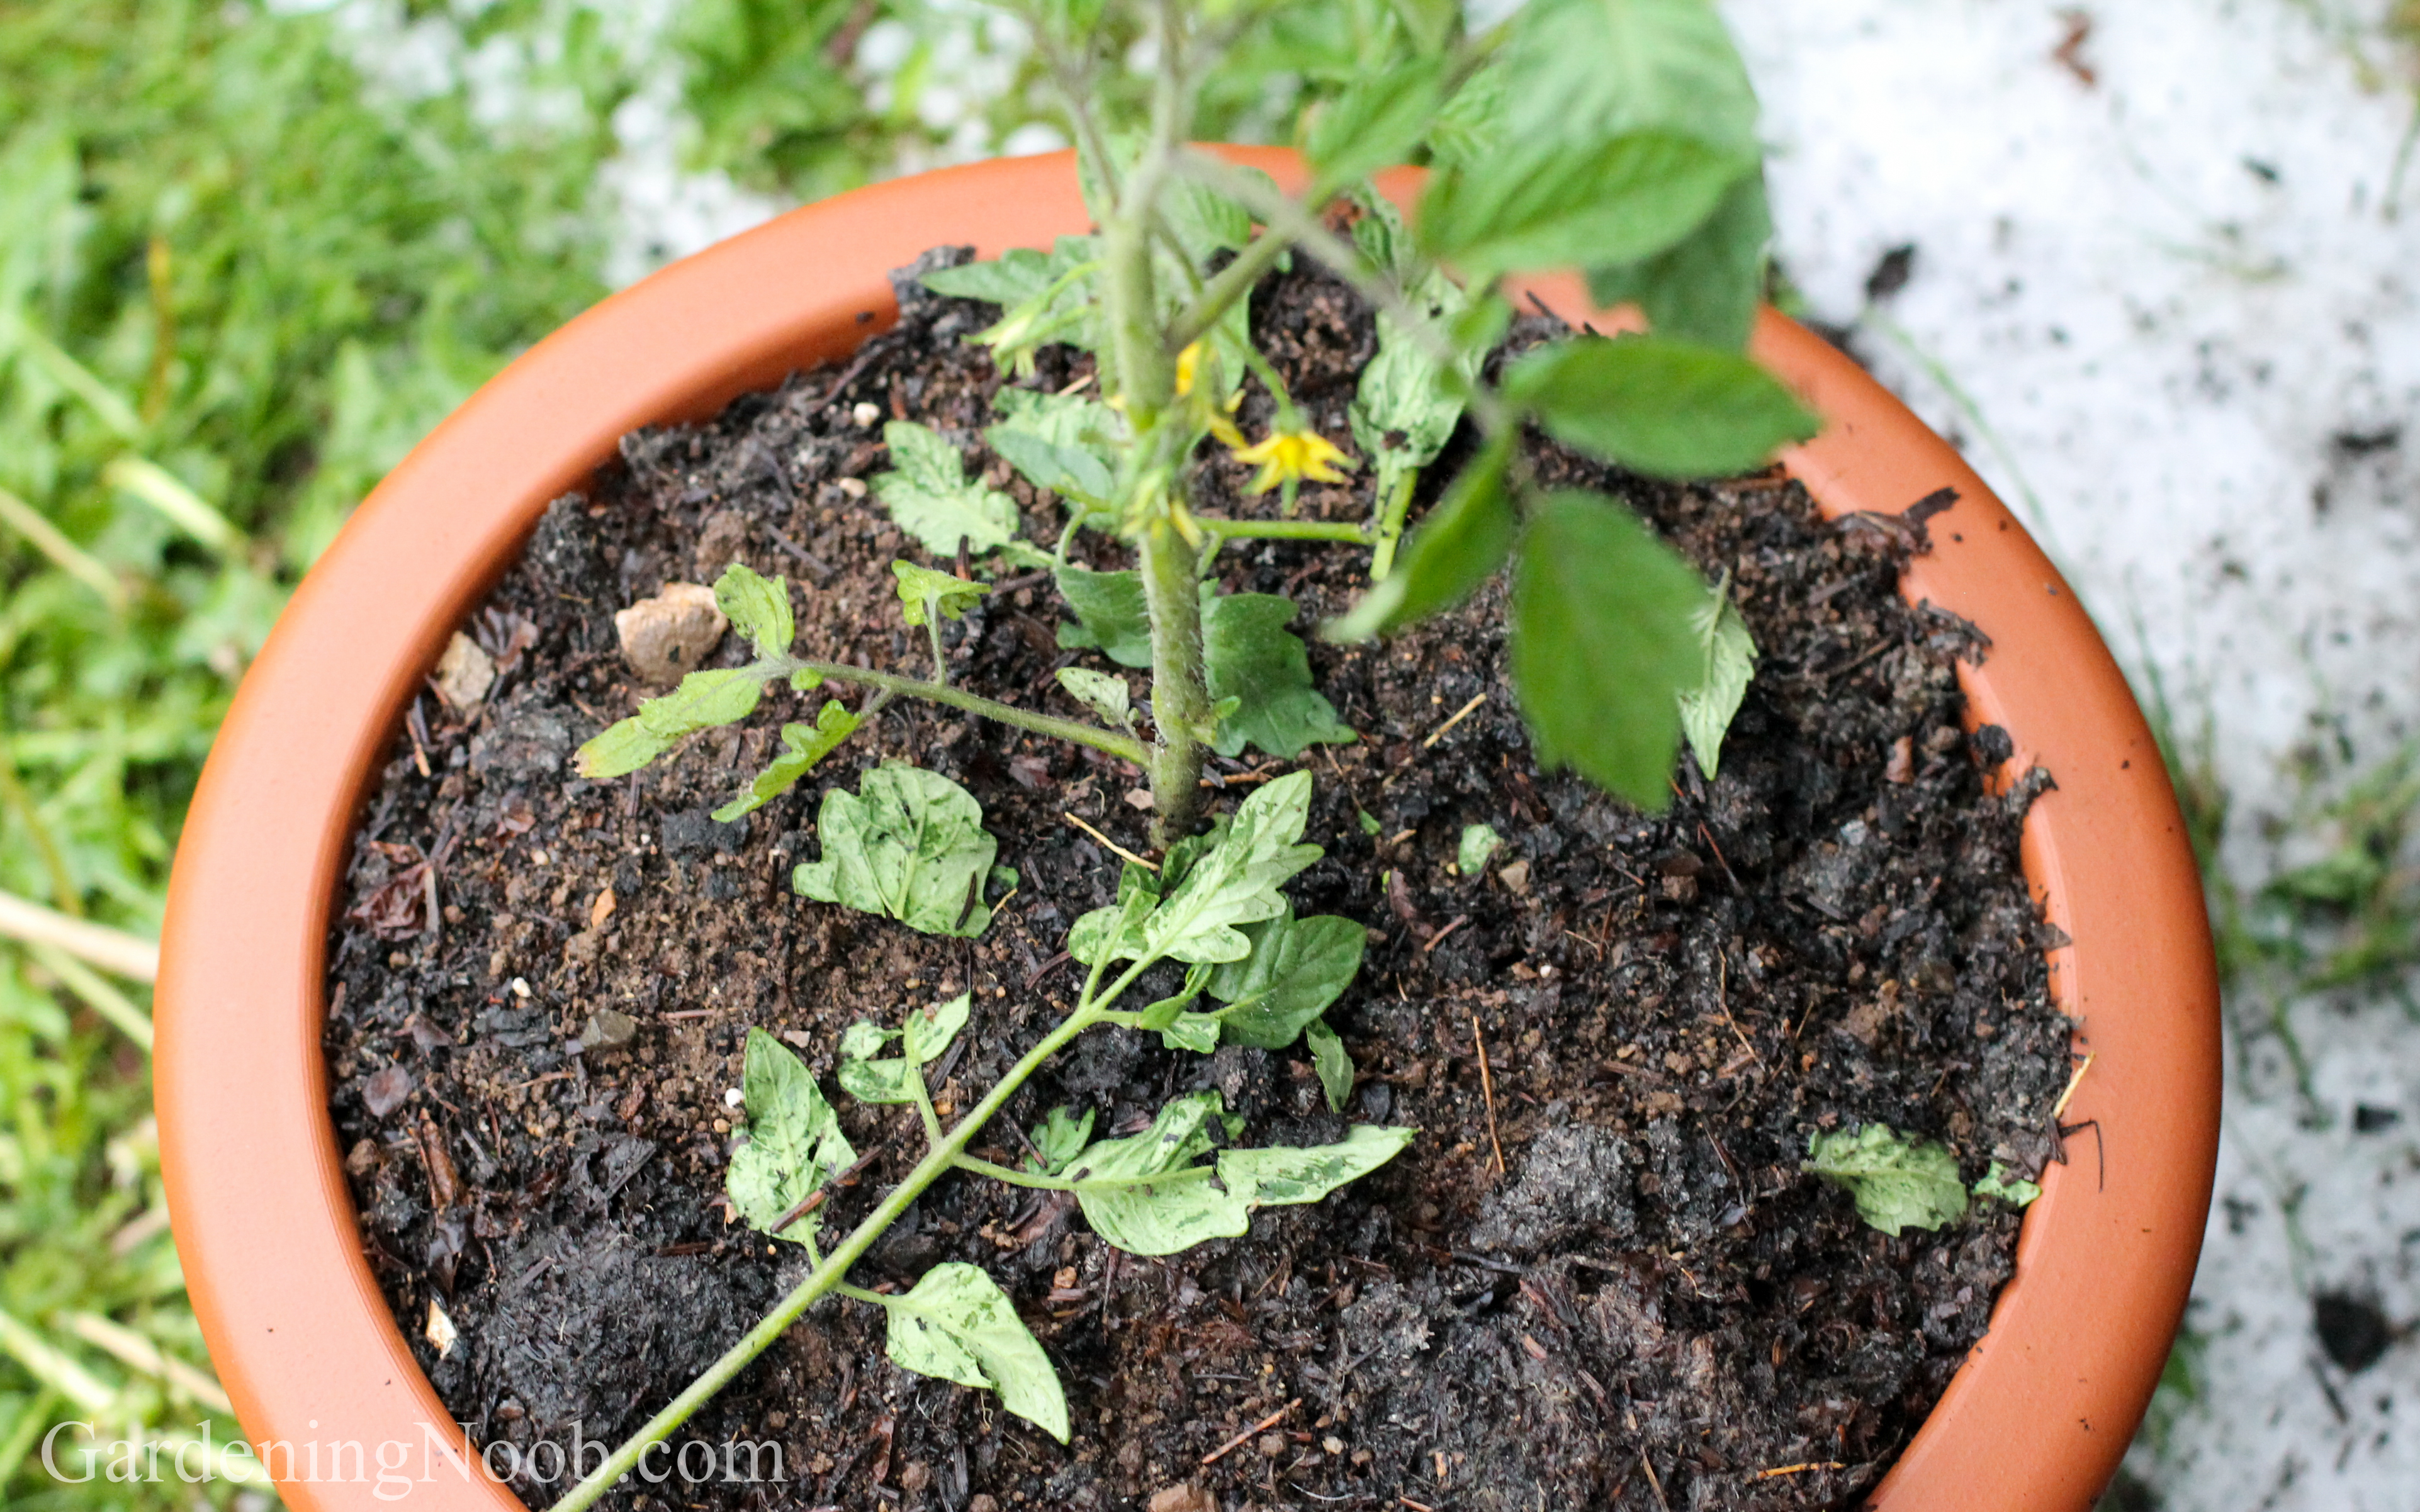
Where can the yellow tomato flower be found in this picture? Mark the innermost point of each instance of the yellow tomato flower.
(1221, 422)
(1292, 455)
(1186, 361)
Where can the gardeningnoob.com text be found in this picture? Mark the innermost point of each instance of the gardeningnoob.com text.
(77, 1451)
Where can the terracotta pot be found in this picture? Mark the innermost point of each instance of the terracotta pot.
(2036, 1418)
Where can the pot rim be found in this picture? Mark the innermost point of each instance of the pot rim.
(2038, 1414)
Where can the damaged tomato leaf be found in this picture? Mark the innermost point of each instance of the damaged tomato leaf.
(909, 844)
(1110, 614)
(1234, 882)
(1251, 656)
(805, 748)
(1146, 1195)
(956, 1324)
(891, 1079)
(795, 1144)
(1329, 1058)
(1899, 1182)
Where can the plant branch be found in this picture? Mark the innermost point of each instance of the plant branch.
(1284, 529)
(1123, 747)
(826, 1276)
(1396, 503)
(1231, 283)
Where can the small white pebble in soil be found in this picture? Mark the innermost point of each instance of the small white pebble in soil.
(732, 1098)
(439, 1330)
(867, 412)
(520, 987)
(854, 487)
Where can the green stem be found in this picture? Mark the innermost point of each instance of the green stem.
(826, 1276)
(924, 1105)
(1231, 283)
(1180, 700)
(941, 654)
(1123, 747)
(1391, 522)
(1284, 529)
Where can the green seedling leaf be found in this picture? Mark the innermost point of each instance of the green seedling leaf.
(956, 1324)
(1060, 1138)
(758, 608)
(1705, 287)
(622, 748)
(1671, 409)
(1478, 843)
(1727, 664)
(1237, 880)
(1996, 1186)
(704, 699)
(1899, 1182)
(1110, 614)
(1253, 659)
(1376, 122)
(1601, 646)
(1043, 298)
(922, 591)
(806, 746)
(1297, 967)
(927, 492)
(795, 1144)
(1105, 695)
(1329, 1057)
(908, 843)
(1459, 545)
(1060, 442)
(928, 1033)
(1550, 204)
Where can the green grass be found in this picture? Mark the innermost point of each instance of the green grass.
(237, 282)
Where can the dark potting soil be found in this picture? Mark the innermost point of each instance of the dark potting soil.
(1640, 1303)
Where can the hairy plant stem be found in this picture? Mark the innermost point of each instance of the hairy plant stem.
(831, 1270)
(1124, 746)
(1397, 502)
(1180, 697)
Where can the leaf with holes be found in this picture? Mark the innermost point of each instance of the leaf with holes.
(956, 1324)
(795, 1144)
(908, 843)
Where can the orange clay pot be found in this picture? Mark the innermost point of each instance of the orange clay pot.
(2036, 1418)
